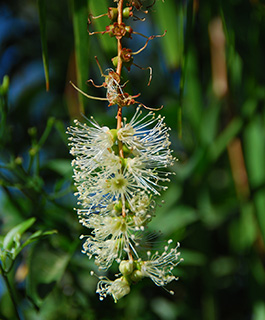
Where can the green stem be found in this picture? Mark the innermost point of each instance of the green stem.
(180, 121)
(12, 296)
(184, 64)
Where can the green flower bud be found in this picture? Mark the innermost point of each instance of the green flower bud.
(115, 61)
(115, 148)
(124, 162)
(118, 207)
(126, 267)
(126, 150)
(136, 276)
(113, 133)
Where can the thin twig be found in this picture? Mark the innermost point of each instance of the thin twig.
(11, 294)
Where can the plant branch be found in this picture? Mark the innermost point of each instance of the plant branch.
(12, 296)
(118, 71)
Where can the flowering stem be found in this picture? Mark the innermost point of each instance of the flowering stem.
(12, 296)
(119, 119)
(115, 187)
(118, 71)
(119, 66)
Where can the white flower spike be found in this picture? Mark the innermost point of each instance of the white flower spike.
(118, 174)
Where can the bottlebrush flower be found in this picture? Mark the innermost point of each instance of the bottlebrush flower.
(159, 267)
(89, 145)
(100, 189)
(146, 177)
(102, 177)
(147, 136)
(111, 238)
(117, 288)
(115, 195)
(118, 173)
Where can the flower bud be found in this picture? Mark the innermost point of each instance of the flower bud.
(115, 61)
(113, 133)
(115, 148)
(126, 267)
(126, 150)
(118, 207)
(123, 162)
(136, 276)
(120, 288)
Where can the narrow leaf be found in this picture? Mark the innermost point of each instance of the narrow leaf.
(19, 229)
(254, 145)
(36, 236)
(221, 142)
(42, 17)
(4, 87)
(171, 17)
(80, 16)
(97, 8)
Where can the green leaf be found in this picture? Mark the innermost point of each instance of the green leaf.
(171, 18)
(4, 87)
(46, 267)
(182, 216)
(36, 236)
(81, 37)
(255, 155)
(243, 231)
(165, 309)
(97, 8)
(60, 166)
(209, 125)
(193, 258)
(221, 142)
(42, 17)
(17, 231)
(223, 266)
(193, 100)
(259, 310)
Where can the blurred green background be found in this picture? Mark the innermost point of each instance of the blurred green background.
(208, 72)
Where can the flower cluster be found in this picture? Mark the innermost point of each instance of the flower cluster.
(119, 172)
(116, 196)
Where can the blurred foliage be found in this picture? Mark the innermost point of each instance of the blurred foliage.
(215, 205)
